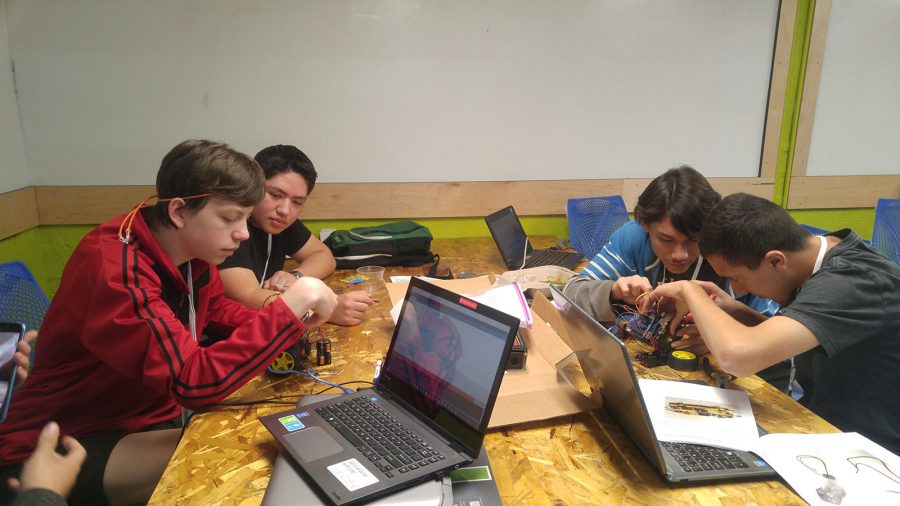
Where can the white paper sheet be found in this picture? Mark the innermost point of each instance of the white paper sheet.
(689, 413)
(842, 468)
(503, 296)
(509, 299)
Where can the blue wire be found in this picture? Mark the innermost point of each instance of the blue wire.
(313, 376)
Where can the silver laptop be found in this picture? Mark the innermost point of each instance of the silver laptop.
(428, 412)
(607, 367)
(516, 249)
(288, 485)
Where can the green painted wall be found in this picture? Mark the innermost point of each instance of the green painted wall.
(27, 248)
(792, 99)
(860, 220)
(46, 249)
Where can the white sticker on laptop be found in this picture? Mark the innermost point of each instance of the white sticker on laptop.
(352, 474)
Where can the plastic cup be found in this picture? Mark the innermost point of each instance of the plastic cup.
(374, 275)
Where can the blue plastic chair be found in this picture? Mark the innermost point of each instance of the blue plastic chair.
(21, 298)
(886, 234)
(592, 220)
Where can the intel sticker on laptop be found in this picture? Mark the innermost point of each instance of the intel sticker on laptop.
(291, 423)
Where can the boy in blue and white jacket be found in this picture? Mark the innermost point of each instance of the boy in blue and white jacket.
(660, 247)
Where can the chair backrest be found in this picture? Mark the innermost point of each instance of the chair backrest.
(886, 235)
(592, 220)
(21, 298)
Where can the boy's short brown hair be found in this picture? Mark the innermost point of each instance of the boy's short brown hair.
(198, 167)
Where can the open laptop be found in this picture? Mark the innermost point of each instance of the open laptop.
(607, 367)
(427, 413)
(516, 250)
(289, 485)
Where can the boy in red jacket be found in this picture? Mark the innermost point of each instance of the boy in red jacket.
(119, 357)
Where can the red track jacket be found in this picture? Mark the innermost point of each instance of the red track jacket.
(115, 353)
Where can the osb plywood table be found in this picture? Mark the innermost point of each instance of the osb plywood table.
(226, 456)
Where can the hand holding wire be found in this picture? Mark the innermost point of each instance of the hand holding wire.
(630, 289)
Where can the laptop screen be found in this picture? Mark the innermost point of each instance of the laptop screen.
(509, 235)
(607, 365)
(446, 359)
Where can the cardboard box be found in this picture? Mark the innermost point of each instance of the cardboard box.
(549, 386)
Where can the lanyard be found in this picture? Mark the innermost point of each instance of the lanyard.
(823, 246)
(262, 278)
(192, 314)
(192, 323)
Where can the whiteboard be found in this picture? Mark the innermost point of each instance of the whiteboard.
(13, 168)
(404, 90)
(856, 129)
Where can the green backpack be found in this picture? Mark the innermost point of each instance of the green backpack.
(397, 243)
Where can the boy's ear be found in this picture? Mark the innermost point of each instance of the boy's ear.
(776, 260)
(177, 212)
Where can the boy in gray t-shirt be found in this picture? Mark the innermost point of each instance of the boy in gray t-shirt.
(840, 312)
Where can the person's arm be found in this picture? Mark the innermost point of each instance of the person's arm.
(141, 338)
(626, 290)
(592, 295)
(48, 471)
(739, 349)
(611, 276)
(735, 308)
(241, 285)
(351, 307)
(315, 259)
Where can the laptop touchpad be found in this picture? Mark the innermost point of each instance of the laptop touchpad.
(313, 444)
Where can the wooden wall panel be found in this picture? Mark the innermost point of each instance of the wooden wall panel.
(75, 205)
(18, 212)
(781, 62)
(87, 205)
(811, 87)
(830, 192)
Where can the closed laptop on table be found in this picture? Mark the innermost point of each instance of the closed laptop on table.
(428, 412)
(607, 364)
(516, 249)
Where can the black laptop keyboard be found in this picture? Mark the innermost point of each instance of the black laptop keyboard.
(698, 458)
(387, 443)
(547, 257)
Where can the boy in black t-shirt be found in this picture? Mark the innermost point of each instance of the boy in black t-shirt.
(254, 274)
